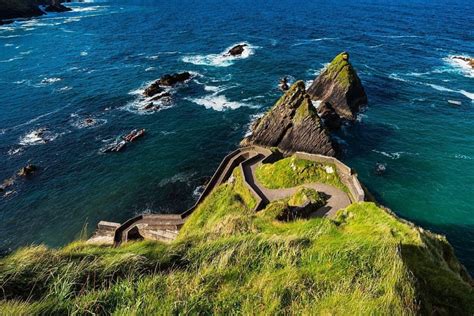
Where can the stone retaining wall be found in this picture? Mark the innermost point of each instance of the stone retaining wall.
(347, 175)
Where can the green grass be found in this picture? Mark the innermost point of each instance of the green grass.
(290, 172)
(230, 260)
(341, 70)
(306, 195)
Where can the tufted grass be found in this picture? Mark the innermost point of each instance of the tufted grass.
(290, 172)
(229, 260)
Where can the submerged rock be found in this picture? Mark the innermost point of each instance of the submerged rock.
(340, 86)
(292, 125)
(237, 50)
(27, 170)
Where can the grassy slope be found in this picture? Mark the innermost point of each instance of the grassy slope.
(291, 171)
(229, 260)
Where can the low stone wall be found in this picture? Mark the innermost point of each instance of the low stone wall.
(347, 175)
(259, 199)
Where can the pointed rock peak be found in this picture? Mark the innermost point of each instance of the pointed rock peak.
(339, 85)
(292, 124)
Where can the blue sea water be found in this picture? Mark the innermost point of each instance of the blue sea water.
(59, 69)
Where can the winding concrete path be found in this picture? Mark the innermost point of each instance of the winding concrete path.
(336, 198)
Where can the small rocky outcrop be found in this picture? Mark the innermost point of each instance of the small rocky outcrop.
(18, 9)
(57, 7)
(27, 170)
(292, 125)
(340, 86)
(166, 81)
(468, 60)
(237, 50)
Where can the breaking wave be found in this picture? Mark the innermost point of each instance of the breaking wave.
(220, 60)
(218, 102)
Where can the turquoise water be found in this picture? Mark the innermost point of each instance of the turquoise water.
(59, 69)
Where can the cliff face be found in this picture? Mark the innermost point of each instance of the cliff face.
(292, 125)
(12, 9)
(339, 88)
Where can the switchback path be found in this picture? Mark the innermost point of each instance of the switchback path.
(337, 199)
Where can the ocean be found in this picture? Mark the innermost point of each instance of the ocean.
(59, 69)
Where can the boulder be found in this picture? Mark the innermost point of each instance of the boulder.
(292, 124)
(27, 170)
(171, 80)
(237, 50)
(167, 81)
(339, 85)
(153, 89)
(57, 7)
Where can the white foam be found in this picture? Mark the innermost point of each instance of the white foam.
(150, 69)
(218, 103)
(253, 118)
(83, 123)
(461, 65)
(220, 60)
(15, 151)
(37, 137)
(66, 88)
(47, 81)
(84, 53)
(10, 59)
(464, 157)
(8, 45)
(467, 94)
(309, 41)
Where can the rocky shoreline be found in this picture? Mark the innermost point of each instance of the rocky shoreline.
(24, 9)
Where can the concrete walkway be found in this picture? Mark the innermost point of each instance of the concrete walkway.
(336, 198)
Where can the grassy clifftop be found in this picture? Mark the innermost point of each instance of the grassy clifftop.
(229, 260)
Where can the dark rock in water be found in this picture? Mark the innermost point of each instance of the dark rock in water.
(167, 80)
(27, 170)
(469, 60)
(57, 7)
(292, 125)
(153, 89)
(339, 85)
(237, 50)
(19, 9)
(5, 22)
(171, 80)
(329, 116)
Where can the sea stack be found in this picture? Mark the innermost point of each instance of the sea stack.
(339, 89)
(292, 125)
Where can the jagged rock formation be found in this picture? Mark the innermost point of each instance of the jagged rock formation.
(12, 9)
(292, 125)
(339, 88)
